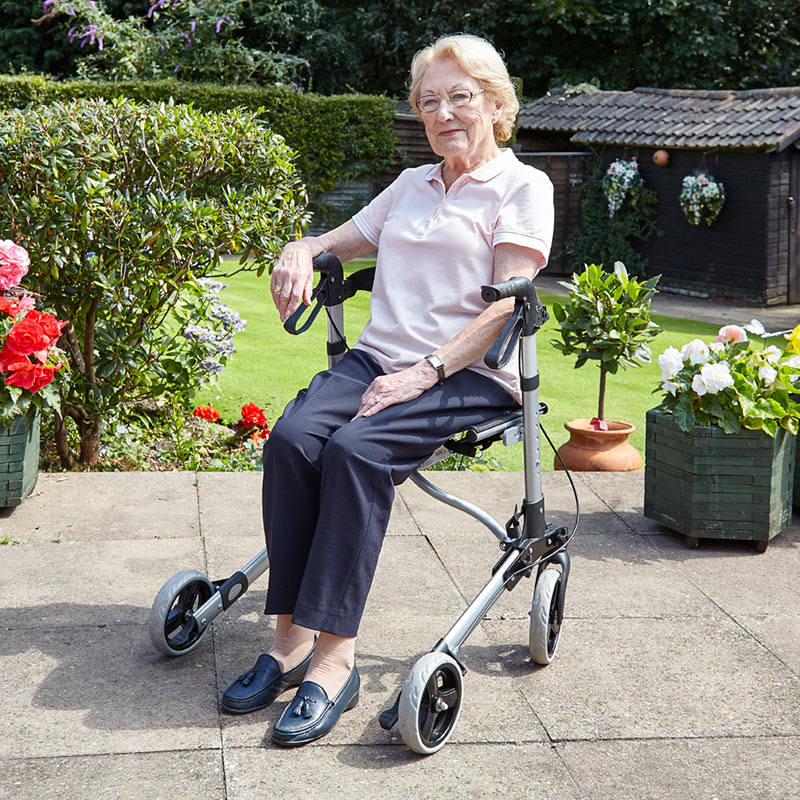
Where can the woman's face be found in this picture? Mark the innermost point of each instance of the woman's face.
(458, 134)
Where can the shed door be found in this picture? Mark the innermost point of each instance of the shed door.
(794, 228)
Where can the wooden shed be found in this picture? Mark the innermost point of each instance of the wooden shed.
(748, 140)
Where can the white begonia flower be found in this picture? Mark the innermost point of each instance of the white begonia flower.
(716, 347)
(794, 362)
(772, 354)
(767, 374)
(755, 327)
(672, 388)
(713, 378)
(696, 351)
(671, 363)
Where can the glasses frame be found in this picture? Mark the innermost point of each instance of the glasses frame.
(439, 99)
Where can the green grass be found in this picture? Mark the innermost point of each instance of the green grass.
(270, 366)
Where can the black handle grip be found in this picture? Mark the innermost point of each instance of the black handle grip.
(514, 287)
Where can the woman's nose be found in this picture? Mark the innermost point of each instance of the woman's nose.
(445, 111)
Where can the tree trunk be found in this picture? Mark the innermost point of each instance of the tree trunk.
(62, 445)
(90, 443)
(601, 400)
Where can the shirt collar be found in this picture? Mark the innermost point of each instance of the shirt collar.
(485, 172)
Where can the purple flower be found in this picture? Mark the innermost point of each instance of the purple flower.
(192, 26)
(227, 19)
(155, 6)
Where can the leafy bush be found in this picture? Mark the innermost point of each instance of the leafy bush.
(604, 239)
(126, 206)
(198, 40)
(335, 138)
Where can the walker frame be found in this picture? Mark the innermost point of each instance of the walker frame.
(429, 704)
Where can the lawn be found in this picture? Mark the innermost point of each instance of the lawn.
(270, 366)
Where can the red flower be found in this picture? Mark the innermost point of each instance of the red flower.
(27, 336)
(206, 412)
(253, 417)
(30, 376)
(16, 305)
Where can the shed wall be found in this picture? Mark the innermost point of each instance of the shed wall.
(735, 257)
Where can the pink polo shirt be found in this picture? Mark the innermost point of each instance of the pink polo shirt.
(436, 250)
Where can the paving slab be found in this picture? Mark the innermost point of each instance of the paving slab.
(613, 575)
(692, 769)
(81, 506)
(780, 634)
(661, 678)
(89, 582)
(102, 689)
(124, 776)
(622, 493)
(394, 773)
(737, 578)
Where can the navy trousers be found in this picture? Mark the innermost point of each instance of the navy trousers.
(329, 483)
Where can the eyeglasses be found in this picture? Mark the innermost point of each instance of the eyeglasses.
(457, 98)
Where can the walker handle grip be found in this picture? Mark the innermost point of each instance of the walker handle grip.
(515, 287)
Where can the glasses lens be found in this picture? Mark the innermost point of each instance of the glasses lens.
(460, 97)
(428, 103)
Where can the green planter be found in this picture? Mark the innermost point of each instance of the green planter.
(19, 460)
(707, 483)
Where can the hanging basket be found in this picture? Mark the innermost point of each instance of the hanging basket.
(702, 198)
(621, 182)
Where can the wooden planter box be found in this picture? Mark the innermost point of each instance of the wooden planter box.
(707, 483)
(19, 460)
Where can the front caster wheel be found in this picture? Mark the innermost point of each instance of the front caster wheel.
(430, 703)
(174, 630)
(545, 630)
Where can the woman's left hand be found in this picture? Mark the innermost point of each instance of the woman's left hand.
(400, 387)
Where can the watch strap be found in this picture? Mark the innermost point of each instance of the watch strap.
(437, 364)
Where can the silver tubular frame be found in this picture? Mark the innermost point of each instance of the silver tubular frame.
(532, 451)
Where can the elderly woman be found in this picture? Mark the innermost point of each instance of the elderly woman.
(414, 378)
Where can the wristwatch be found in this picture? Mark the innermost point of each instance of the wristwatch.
(438, 365)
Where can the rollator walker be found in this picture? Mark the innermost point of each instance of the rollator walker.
(429, 704)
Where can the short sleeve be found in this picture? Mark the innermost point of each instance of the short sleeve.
(526, 216)
(371, 218)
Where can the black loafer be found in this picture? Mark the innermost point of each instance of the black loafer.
(311, 715)
(258, 687)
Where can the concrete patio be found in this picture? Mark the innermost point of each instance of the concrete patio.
(677, 675)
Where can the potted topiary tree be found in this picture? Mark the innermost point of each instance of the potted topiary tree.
(606, 321)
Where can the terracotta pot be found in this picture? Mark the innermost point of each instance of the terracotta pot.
(589, 450)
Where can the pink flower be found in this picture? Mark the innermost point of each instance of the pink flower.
(14, 263)
(733, 333)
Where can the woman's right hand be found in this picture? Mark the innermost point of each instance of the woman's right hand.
(293, 277)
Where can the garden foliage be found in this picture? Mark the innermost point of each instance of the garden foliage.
(335, 138)
(604, 239)
(126, 207)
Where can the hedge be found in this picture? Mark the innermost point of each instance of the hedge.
(337, 138)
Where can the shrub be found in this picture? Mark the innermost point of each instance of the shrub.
(198, 40)
(337, 138)
(127, 206)
(604, 238)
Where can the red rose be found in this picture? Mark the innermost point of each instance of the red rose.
(252, 417)
(30, 376)
(27, 336)
(206, 412)
(48, 323)
(9, 358)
